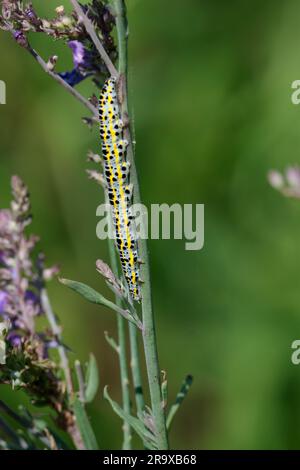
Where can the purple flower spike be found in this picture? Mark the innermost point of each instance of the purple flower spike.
(15, 340)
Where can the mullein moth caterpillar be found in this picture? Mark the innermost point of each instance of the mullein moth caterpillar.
(116, 172)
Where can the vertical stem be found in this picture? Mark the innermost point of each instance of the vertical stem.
(122, 354)
(136, 368)
(149, 335)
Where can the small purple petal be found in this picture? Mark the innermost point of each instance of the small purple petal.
(3, 301)
(293, 176)
(81, 56)
(14, 339)
(20, 38)
(72, 78)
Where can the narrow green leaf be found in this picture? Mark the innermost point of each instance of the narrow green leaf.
(164, 389)
(85, 427)
(91, 379)
(147, 437)
(179, 399)
(95, 297)
(112, 342)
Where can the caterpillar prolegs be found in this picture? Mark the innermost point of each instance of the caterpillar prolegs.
(116, 172)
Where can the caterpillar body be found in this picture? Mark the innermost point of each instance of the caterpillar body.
(116, 172)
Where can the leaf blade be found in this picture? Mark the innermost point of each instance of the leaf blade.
(92, 379)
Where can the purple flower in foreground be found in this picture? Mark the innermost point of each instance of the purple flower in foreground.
(288, 183)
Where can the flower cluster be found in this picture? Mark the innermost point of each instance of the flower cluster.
(22, 18)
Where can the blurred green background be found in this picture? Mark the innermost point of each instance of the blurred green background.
(210, 83)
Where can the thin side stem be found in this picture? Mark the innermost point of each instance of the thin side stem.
(93, 35)
(136, 369)
(149, 334)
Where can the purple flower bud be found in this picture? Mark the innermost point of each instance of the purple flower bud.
(275, 179)
(20, 38)
(80, 54)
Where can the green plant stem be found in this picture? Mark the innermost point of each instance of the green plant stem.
(136, 368)
(121, 323)
(149, 335)
(64, 363)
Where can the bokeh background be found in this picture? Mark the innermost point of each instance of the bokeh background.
(210, 83)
